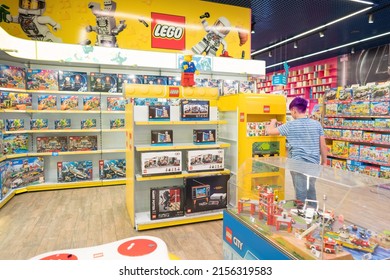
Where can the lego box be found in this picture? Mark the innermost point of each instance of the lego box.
(72, 81)
(159, 112)
(103, 82)
(116, 103)
(72, 171)
(39, 124)
(15, 144)
(52, 144)
(25, 171)
(195, 110)
(69, 102)
(156, 163)
(205, 193)
(112, 169)
(62, 124)
(128, 79)
(162, 137)
(91, 103)
(205, 160)
(39, 79)
(166, 202)
(83, 143)
(15, 101)
(117, 123)
(47, 102)
(155, 80)
(14, 124)
(12, 77)
(204, 136)
(88, 124)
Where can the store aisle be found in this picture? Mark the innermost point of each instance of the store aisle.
(38, 222)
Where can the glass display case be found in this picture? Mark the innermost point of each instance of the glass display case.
(344, 216)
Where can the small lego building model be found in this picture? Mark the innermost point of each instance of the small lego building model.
(188, 71)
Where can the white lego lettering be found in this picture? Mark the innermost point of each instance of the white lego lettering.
(166, 31)
(237, 242)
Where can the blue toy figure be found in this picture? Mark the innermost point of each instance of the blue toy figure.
(188, 71)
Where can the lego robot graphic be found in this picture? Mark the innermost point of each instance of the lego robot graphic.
(34, 23)
(214, 38)
(106, 28)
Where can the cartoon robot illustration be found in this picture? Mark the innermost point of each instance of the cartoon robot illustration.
(106, 28)
(214, 38)
(34, 23)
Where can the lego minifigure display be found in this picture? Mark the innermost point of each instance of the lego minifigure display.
(188, 71)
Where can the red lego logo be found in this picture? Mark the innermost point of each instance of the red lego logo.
(174, 91)
(168, 32)
(229, 235)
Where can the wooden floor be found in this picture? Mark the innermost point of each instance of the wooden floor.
(38, 222)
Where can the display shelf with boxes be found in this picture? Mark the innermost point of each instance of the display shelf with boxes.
(270, 223)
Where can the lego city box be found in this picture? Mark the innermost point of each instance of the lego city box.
(12, 77)
(69, 102)
(24, 172)
(62, 124)
(39, 124)
(15, 144)
(128, 79)
(204, 136)
(83, 143)
(88, 124)
(41, 79)
(117, 123)
(47, 102)
(103, 82)
(72, 81)
(205, 193)
(166, 202)
(195, 110)
(157, 163)
(73, 171)
(112, 169)
(155, 80)
(159, 113)
(205, 160)
(91, 103)
(14, 124)
(52, 144)
(15, 101)
(161, 137)
(116, 104)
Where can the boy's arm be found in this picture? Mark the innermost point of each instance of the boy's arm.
(323, 150)
(271, 129)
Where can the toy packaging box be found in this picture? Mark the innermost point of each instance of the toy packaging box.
(72, 81)
(91, 103)
(83, 143)
(228, 87)
(62, 124)
(205, 160)
(52, 144)
(195, 110)
(380, 92)
(70, 102)
(204, 136)
(166, 202)
(12, 77)
(340, 148)
(161, 137)
(361, 93)
(117, 123)
(103, 82)
(128, 79)
(72, 171)
(5, 181)
(15, 101)
(15, 144)
(330, 94)
(155, 80)
(344, 94)
(354, 151)
(88, 124)
(205, 193)
(39, 124)
(47, 102)
(379, 108)
(116, 103)
(354, 166)
(331, 109)
(159, 113)
(359, 108)
(174, 81)
(25, 171)
(112, 169)
(339, 164)
(156, 163)
(39, 79)
(14, 124)
(247, 87)
(384, 172)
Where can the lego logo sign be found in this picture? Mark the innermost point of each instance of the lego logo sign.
(229, 235)
(266, 109)
(174, 92)
(168, 31)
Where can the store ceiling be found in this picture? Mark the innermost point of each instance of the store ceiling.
(278, 20)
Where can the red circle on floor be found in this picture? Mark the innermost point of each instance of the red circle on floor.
(137, 247)
(61, 257)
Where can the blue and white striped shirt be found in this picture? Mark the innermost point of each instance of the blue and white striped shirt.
(303, 137)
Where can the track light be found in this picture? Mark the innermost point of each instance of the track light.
(370, 18)
(322, 34)
(253, 28)
(295, 45)
(270, 54)
(352, 50)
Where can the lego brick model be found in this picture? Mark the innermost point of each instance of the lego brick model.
(62, 124)
(72, 81)
(83, 143)
(52, 144)
(70, 102)
(195, 110)
(205, 160)
(15, 101)
(39, 124)
(128, 79)
(15, 144)
(103, 82)
(72, 171)
(91, 103)
(159, 113)
(166, 202)
(12, 77)
(14, 124)
(117, 123)
(156, 163)
(162, 137)
(39, 79)
(205, 193)
(204, 136)
(88, 124)
(116, 103)
(112, 169)
(155, 80)
(47, 102)
(23, 172)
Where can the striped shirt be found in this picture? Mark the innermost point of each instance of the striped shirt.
(303, 137)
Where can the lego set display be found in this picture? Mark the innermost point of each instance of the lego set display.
(112, 169)
(72, 171)
(117, 123)
(166, 202)
(70, 102)
(41, 79)
(103, 82)
(205, 160)
(52, 144)
(12, 77)
(161, 137)
(129, 79)
(116, 103)
(15, 101)
(72, 81)
(62, 124)
(39, 124)
(156, 163)
(195, 110)
(83, 143)
(15, 144)
(155, 80)
(91, 103)
(204, 136)
(14, 124)
(88, 124)
(159, 112)
(47, 102)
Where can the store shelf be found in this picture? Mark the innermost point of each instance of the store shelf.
(357, 140)
(265, 175)
(107, 151)
(45, 131)
(180, 146)
(180, 122)
(55, 92)
(184, 174)
(357, 117)
(71, 185)
(144, 222)
(361, 160)
(358, 128)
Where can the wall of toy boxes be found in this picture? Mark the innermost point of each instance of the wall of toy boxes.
(357, 128)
